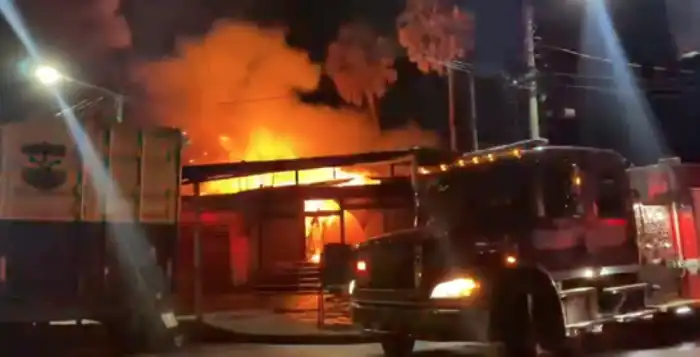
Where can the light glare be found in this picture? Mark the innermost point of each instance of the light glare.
(454, 289)
(48, 75)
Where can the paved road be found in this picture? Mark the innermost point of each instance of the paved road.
(94, 344)
(371, 350)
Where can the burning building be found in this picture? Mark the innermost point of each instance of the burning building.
(236, 92)
(262, 220)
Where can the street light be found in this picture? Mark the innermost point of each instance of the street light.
(50, 76)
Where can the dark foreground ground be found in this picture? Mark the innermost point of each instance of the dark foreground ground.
(92, 341)
(372, 350)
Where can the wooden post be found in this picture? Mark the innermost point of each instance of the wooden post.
(341, 222)
(473, 129)
(452, 124)
(321, 311)
(197, 259)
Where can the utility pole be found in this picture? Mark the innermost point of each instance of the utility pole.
(533, 105)
(452, 124)
(472, 109)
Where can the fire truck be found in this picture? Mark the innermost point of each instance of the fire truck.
(516, 249)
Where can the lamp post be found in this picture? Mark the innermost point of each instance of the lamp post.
(50, 76)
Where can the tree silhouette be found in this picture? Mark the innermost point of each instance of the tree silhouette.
(435, 33)
(360, 63)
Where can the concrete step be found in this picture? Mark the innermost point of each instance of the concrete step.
(288, 288)
(314, 286)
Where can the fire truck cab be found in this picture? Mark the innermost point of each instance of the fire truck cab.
(516, 249)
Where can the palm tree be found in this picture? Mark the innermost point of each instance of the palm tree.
(360, 63)
(436, 33)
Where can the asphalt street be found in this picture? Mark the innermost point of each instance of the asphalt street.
(373, 350)
(94, 343)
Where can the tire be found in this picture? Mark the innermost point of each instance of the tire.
(136, 334)
(513, 328)
(550, 333)
(518, 346)
(127, 334)
(397, 346)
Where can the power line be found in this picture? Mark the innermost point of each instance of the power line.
(607, 60)
(467, 67)
(654, 92)
(579, 76)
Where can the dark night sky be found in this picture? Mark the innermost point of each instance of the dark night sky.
(155, 24)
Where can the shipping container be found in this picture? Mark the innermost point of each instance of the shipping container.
(74, 204)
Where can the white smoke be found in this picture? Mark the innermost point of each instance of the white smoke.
(684, 20)
(84, 28)
(113, 27)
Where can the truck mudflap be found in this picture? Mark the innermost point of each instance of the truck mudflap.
(146, 321)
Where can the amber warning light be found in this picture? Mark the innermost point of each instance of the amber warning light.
(361, 266)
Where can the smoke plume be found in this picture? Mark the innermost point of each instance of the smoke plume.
(235, 93)
(85, 28)
(684, 20)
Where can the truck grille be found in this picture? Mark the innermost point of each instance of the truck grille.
(391, 266)
(434, 262)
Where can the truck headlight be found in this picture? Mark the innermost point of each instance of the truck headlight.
(454, 289)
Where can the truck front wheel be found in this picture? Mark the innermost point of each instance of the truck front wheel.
(397, 345)
(512, 326)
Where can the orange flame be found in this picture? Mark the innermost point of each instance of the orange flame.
(267, 147)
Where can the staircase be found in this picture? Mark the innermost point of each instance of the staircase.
(337, 310)
(299, 284)
(298, 277)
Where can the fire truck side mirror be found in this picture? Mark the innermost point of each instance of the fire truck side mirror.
(336, 264)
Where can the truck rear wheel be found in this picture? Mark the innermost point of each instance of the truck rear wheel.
(397, 345)
(135, 333)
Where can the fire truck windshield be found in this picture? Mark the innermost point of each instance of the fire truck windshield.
(557, 185)
(485, 201)
(502, 198)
